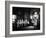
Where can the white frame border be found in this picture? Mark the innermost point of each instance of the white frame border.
(28, 32)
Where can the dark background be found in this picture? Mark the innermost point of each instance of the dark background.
(20, 12)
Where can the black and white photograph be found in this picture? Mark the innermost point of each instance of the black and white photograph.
(24, 18)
